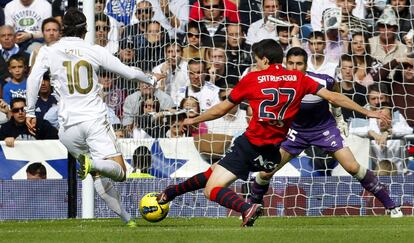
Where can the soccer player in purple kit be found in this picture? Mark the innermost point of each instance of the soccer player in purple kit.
(315, 125)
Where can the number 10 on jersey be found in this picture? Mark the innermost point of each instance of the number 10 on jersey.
(73, 76)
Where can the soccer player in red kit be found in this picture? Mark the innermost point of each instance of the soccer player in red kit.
(275, 96)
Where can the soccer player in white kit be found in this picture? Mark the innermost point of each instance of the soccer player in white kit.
(84, 128)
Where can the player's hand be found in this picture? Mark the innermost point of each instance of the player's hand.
(342, 126)
(9, 141)
(31, 125)
(186, 123)
(385, 118)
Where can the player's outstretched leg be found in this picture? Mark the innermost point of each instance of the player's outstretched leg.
(193, 183)
(371, 183)
(85, 166)
(105, 167)
(368, 180)
(106, 190)
(229, 199)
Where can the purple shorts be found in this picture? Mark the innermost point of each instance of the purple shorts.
(330, 140)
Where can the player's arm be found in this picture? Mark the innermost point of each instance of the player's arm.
(341, 100)
(32, 89)
(214, 112)
(113, 64)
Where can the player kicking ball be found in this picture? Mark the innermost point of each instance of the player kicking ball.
(275, 95)
(84, 128)
(315, 125)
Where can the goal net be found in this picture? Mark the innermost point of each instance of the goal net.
(344, 41)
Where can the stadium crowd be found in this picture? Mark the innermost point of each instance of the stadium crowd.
(201, 48)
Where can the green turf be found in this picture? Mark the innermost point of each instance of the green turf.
(279, 229)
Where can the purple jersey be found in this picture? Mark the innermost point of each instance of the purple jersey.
(314, 113)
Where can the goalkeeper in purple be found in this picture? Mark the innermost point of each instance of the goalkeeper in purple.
(315, 125)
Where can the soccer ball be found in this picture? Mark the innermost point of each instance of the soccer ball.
(151, 210)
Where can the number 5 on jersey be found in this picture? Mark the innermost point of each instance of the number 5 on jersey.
(73, 75)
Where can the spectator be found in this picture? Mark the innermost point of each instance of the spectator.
(17, 86)
(350, 88)
(149, 122)
(213, 20)
(263, 28)
(237, 50)
(46, 99)
(150, 48)
(377, 94)
(220, 73)
(249, 12)
(204, 91)
(36, 171)
(26, 17)
(144, 15)
(385, 168)
(206, 8)
(192, 106)
(116, 27)
(299, 11)
(173, 15)
(233, 123)
(8, 49)
(195, 41)
(174, 69)
(402, 12)
(113, 96)
(16, 128)
(141, 163)
(127, 51)
(366, 65)
(288, 36)
(319, 6)
(385, 47)
(352, 20)
(403, 89)
(51, 33)
(132, 107)
(121, 10)
(102, 29)
(317, 62)
(385, 144)
(59, 7)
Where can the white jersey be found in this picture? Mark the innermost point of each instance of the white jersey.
(207, 96)
(27, 18)
(73, 65)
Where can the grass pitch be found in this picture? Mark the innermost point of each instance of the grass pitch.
(278, 229)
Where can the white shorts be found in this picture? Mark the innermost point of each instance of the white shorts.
(94, 137)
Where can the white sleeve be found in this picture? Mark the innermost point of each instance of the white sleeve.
(113, 64)
(34, 81)
(183, 14)
(7, 16)
(359, 127)
(373, 125)
(400, 128)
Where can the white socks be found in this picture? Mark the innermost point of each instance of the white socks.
(109, 168)
(361, 173)
(105, 188)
